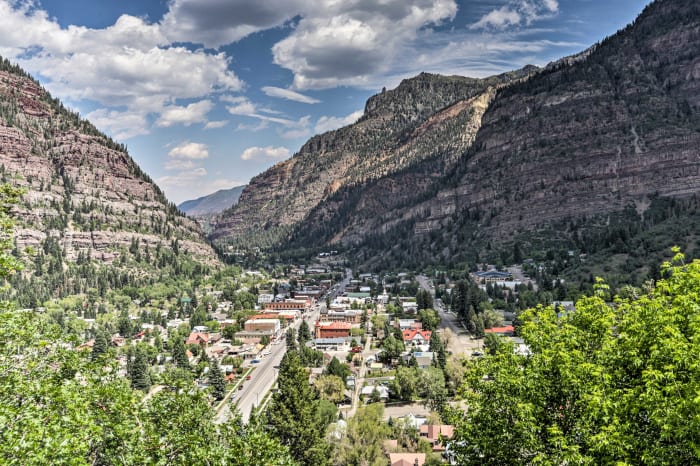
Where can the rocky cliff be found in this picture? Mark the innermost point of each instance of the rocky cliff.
(427, 118)
(83, 191)
(455, 161)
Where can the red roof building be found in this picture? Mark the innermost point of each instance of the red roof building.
(433, 432)
(507, 330)
(333, 329)
(197, 338)
(415, 336)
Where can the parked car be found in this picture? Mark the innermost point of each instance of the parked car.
(255, 361)
(240, 387)
(248, 377)
(356, 349)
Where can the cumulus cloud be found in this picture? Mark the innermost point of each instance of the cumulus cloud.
(131, 64)
(328, 123)
(179, 164)
(265, 153)
(195, 112)
(189, 150)
(346, 43)
(517, 13)
(219, 22)
(119, 124)
(289, 95)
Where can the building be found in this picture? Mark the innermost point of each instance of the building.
(198, 338)
(433, 432)
(491, 276)
(264, 298)
(332, 329)
(347, 315)
(262, 325)
(507, 330)
(406, 459)
(416, 337)
(331, 344)
(301, 305)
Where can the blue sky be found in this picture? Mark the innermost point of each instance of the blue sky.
(208, 93)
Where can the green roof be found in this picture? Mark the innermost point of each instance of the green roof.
(358, 295)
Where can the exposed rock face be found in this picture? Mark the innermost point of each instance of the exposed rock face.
(424, 118)
(81, 187)
(589, 134)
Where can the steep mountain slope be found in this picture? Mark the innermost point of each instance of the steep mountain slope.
(213, 203)
(85, 197)
(563, 154)
(428, 117)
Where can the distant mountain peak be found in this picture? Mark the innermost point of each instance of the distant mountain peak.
(212, 203)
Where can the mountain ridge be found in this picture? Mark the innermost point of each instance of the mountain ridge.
(588, 135)
(212, 203)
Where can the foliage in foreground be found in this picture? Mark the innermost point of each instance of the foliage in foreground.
(612, 382)
(59, 405)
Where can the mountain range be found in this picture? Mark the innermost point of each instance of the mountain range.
(443, 165)
(213, 203)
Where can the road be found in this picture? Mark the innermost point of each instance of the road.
(460, 343)
(263, 377)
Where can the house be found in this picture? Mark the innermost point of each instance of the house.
(407, 459)
(433, 432)
(198, 338)
(416, 337)
(332, 329)
(369, 389)
(507, 330)
(423, 359)
(405, 324)
(409, 307)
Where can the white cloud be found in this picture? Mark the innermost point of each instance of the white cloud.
(179, 164)
(219, 22)
(131, 64)
(516, 13)
(119, 125)
(195, 112)
(289, 95)
(265, 153)
(189, 150)
(328, 123)
(216, 124)
(348, 43)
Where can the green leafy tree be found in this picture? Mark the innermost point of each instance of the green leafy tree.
(365, 436)
(330, 388)
(611, 383)
(429, 318)
(338, 369)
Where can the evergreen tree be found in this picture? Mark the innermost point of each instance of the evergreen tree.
(216, 380)
(100, 347)
(140, 379)
(291, 336)
(438, 347)
(304, 333)
(293, 417)
(180, 353)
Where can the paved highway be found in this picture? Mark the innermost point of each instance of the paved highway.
(263, 377)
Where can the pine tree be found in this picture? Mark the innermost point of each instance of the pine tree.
(291, 337)
(140, 379)
(438, 347)
(100, 346)
(304, 333)
(216, 380)
(180, 353)
(293, 417)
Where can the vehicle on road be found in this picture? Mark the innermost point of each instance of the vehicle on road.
(255, 361)
(248, 377)
(240, 387)
(356, 349)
